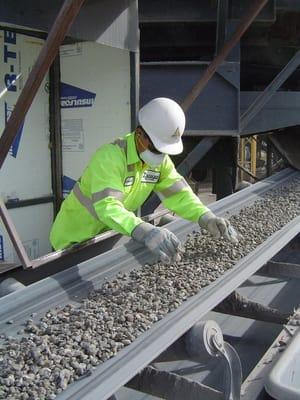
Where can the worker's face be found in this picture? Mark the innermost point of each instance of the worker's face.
(147, 152)
(144, 142)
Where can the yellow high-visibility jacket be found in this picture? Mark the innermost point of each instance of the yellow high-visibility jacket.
(114, 185)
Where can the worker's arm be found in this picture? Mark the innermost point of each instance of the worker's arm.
(106, 173)
(176, 195)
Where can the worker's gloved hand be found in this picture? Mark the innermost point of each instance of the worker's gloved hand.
(218, 227)
(163, 243)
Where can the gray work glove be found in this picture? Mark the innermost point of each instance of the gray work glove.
(218, 227)
(163, 243)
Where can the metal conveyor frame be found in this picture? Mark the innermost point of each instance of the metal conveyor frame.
(65, 286)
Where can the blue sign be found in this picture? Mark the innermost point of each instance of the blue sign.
(68, 184)
(73, 97)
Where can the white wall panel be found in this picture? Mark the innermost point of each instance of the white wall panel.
(95, 102)
(95, 105)
(26, 172)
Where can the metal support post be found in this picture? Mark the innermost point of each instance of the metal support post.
(198, 152)
(269, 157)
(14, 237)
(242, 157)
(63, 22)
(222, 14)
(254, 385)
(253, 146)
(55, 133)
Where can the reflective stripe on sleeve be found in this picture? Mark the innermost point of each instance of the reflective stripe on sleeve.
(175, 188)
(85, 201)
(105, 193)
(121, 143)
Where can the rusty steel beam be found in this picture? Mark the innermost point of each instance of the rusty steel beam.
(14, 237)
(246, 21)
(61, 26)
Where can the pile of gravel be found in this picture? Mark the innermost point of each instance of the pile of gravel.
(68, 343)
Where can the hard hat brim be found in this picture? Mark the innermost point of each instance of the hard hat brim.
(168, 148)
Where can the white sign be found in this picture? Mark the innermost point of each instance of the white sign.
(72, 135)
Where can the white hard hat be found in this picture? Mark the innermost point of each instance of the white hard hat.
(164, 121)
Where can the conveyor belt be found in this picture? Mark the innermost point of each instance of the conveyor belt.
(76, 282)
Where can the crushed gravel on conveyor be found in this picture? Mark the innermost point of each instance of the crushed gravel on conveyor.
(69, 342)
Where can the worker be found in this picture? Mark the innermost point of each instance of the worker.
(119, 178)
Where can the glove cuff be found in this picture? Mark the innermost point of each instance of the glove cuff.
(140, 231)
(203, 220)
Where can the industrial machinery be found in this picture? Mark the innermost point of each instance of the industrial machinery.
(226, 313)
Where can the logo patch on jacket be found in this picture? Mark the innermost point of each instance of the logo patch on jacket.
(129, 181)
(150, 177)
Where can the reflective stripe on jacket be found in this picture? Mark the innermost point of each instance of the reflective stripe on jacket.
(114, 185)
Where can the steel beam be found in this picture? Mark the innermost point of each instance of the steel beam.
(253, 386)
(55, 134)
(222, 15)
(14, 237)
(168, 385)
(281, 111)
(112, 23)
(216, 112)
(196, 154)
(156, 11)
(281, 270)
(270, 90)
(238, 305)
(64, 20)
(217, 61)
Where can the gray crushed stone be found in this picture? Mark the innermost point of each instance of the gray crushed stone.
(68, 343)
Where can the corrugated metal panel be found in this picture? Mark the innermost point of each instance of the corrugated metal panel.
(114, 23)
